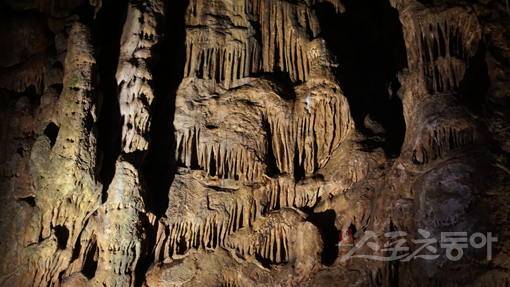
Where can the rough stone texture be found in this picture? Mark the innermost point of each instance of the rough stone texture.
(63, 201)
(133, 74)
(227, 143)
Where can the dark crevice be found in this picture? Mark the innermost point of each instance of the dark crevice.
(212, 166)
(353, 229)
(62, 234)
(264, 261)
(370, 50)
(325, 222)
(214, 235)
(194, 153)
(30, 200)
(435, 46)
(58, 88)
(89, 122)
(257, 31)
(106, 33)
(181, 246)
(51, 132)
(272, 168)
(299, 169)
(147, 256)
(159, 166)
(90, 260)
(9, 96)
(77, 246)
(476, 81)
(442, 44)
(282, 81)
(85, 12)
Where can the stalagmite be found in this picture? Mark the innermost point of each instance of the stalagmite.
(69, 198)
(227, 144)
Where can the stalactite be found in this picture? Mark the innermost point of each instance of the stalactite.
(196, 232)
(339, 8)
(238, 212)
(227, 215)
(134, 77)
(272, 247)
(273, 194)
(320, 128)
(271, 237)
(282, 140)
(257, 207)
(217, 159)
(437, 141)
(214, 55)
(229, 279)
(283, 28)
(28, 74)
(444, 43)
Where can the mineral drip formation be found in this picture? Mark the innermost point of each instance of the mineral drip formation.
(133, 74)
(441, 44)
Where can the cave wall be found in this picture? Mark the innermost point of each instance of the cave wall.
(228, 143)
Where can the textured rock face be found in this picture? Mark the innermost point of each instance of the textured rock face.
(232, 143)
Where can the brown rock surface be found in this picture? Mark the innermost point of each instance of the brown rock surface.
(232, 143)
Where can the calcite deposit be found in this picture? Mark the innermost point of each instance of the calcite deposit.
(254, 143)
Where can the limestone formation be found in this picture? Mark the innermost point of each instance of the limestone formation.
(254, 143)
(133, 74)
